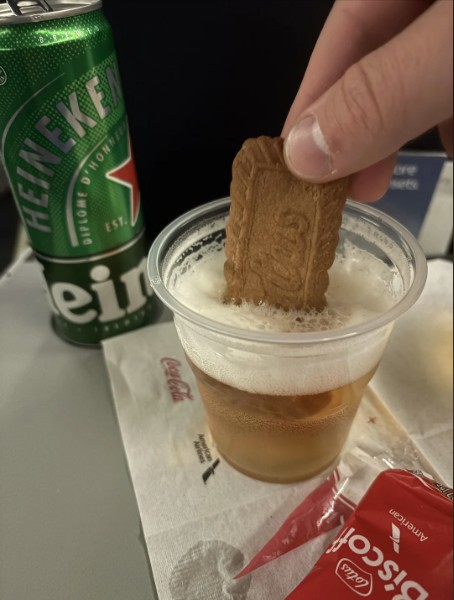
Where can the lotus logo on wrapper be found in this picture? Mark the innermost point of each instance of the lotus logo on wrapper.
(357, 579)
(373, 557)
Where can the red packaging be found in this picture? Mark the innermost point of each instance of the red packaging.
(322, 510)
(397, 545)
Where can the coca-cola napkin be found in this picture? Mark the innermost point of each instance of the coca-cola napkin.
(202, 520)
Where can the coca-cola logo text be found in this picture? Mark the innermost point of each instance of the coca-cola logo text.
(179, 389)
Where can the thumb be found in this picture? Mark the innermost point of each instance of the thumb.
(389, 97)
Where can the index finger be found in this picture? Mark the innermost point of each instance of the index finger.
(353, 29)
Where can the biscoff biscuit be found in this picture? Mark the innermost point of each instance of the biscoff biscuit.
(281, 233)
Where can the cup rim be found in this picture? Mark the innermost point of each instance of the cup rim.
(419, 262)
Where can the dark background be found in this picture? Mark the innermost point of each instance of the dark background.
(199, 77)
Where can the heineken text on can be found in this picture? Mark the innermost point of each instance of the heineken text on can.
(67, 153)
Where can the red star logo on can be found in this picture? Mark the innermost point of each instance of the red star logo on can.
(125, 174)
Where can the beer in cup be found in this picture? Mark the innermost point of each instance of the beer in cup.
(281, 388)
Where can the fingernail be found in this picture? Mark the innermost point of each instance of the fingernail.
(306, 151)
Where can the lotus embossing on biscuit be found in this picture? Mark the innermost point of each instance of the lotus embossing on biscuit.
(282, 232)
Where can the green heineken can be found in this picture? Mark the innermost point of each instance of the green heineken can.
(67, 153)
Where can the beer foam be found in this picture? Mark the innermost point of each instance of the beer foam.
(361, 288)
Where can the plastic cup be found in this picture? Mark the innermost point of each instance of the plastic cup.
(280, 405)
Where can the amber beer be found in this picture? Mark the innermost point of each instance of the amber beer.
(280, 388)
(279, 438)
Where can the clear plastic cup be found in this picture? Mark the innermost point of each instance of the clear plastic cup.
(280, 405)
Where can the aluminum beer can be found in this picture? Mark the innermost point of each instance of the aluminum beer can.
(67, 153)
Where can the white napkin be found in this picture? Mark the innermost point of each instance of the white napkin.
(415, 375)
(202, 520)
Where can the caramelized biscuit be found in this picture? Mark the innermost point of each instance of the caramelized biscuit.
(282, 232)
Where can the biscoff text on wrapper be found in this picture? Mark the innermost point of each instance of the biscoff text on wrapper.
(396, 545)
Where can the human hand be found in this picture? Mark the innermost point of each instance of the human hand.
(380, 75)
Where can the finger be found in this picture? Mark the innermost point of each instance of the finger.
(372, 183)
(353, 29)
(389, 97)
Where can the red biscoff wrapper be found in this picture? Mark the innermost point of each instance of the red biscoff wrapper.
(396, 545)
(324, 509)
